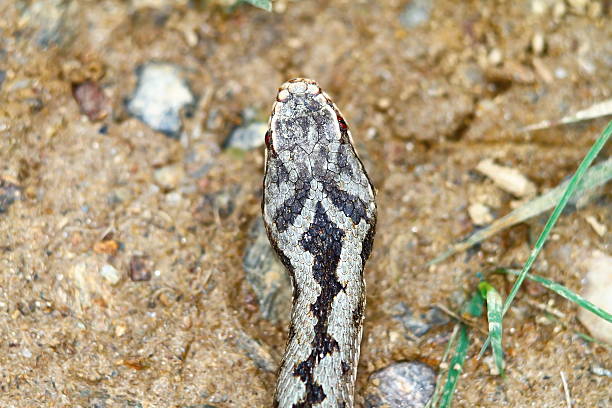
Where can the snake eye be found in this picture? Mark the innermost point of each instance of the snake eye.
(342, 123)
(268, 140)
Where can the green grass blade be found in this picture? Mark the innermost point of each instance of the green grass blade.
(563, 292)
(456, 367)
(433, 402)
(262, 4)
(596, 176)
(494, 316)
(571, 188)
(475, 306)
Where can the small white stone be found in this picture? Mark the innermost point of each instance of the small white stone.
(174, 198)
(495, 56)
(26, 353)
(597, 291)
(480, 214)
(110, 274)
(598, 227)
(538, 43)
(169, 177)
(120, 329)
(560, 73)
(508, 179)
(159, 97)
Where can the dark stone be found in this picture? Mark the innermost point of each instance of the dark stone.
(92, 100)
(140, 268)
(266, 275)
(246, 137)
(9, 192)
(421, 324)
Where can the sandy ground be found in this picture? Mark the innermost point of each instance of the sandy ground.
(121, 249)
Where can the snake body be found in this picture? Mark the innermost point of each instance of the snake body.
(320, 215)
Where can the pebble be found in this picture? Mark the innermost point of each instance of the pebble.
(9, 193)
(538, 43)
(480, 214)
(495, 57)
(508, 179)
(109, 247)
(597, 226)
(416, 13)
(169, 177)
(120, 329)
(140, 268)
(597, 291)
(419, 325)
(598, 370)
(266, 275)
(255, 351)
(247, 137)
(49, 19)
(384, 104)
(560, 73)
(401, 385)
(160, 95)
(92, 100)
(2, 76)
(111, 274)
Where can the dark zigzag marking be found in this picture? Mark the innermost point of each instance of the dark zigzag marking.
(292, 207)
(352, 206)
(324, 241)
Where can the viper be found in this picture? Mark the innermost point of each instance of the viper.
(320, 215)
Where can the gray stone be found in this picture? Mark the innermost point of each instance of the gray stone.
(256, 352)
(421, 324)
(160, 95)
(9, 192)
(169, 177)
(417, 12)
(598, 370)
(49, 19)
(401, 385)
(2, 76)
(266, 275)
(247, 137)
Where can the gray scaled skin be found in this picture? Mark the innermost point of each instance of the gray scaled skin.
(320, 215)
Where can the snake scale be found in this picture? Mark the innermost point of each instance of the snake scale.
(320, 215)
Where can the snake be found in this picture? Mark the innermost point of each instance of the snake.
(319, 213)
